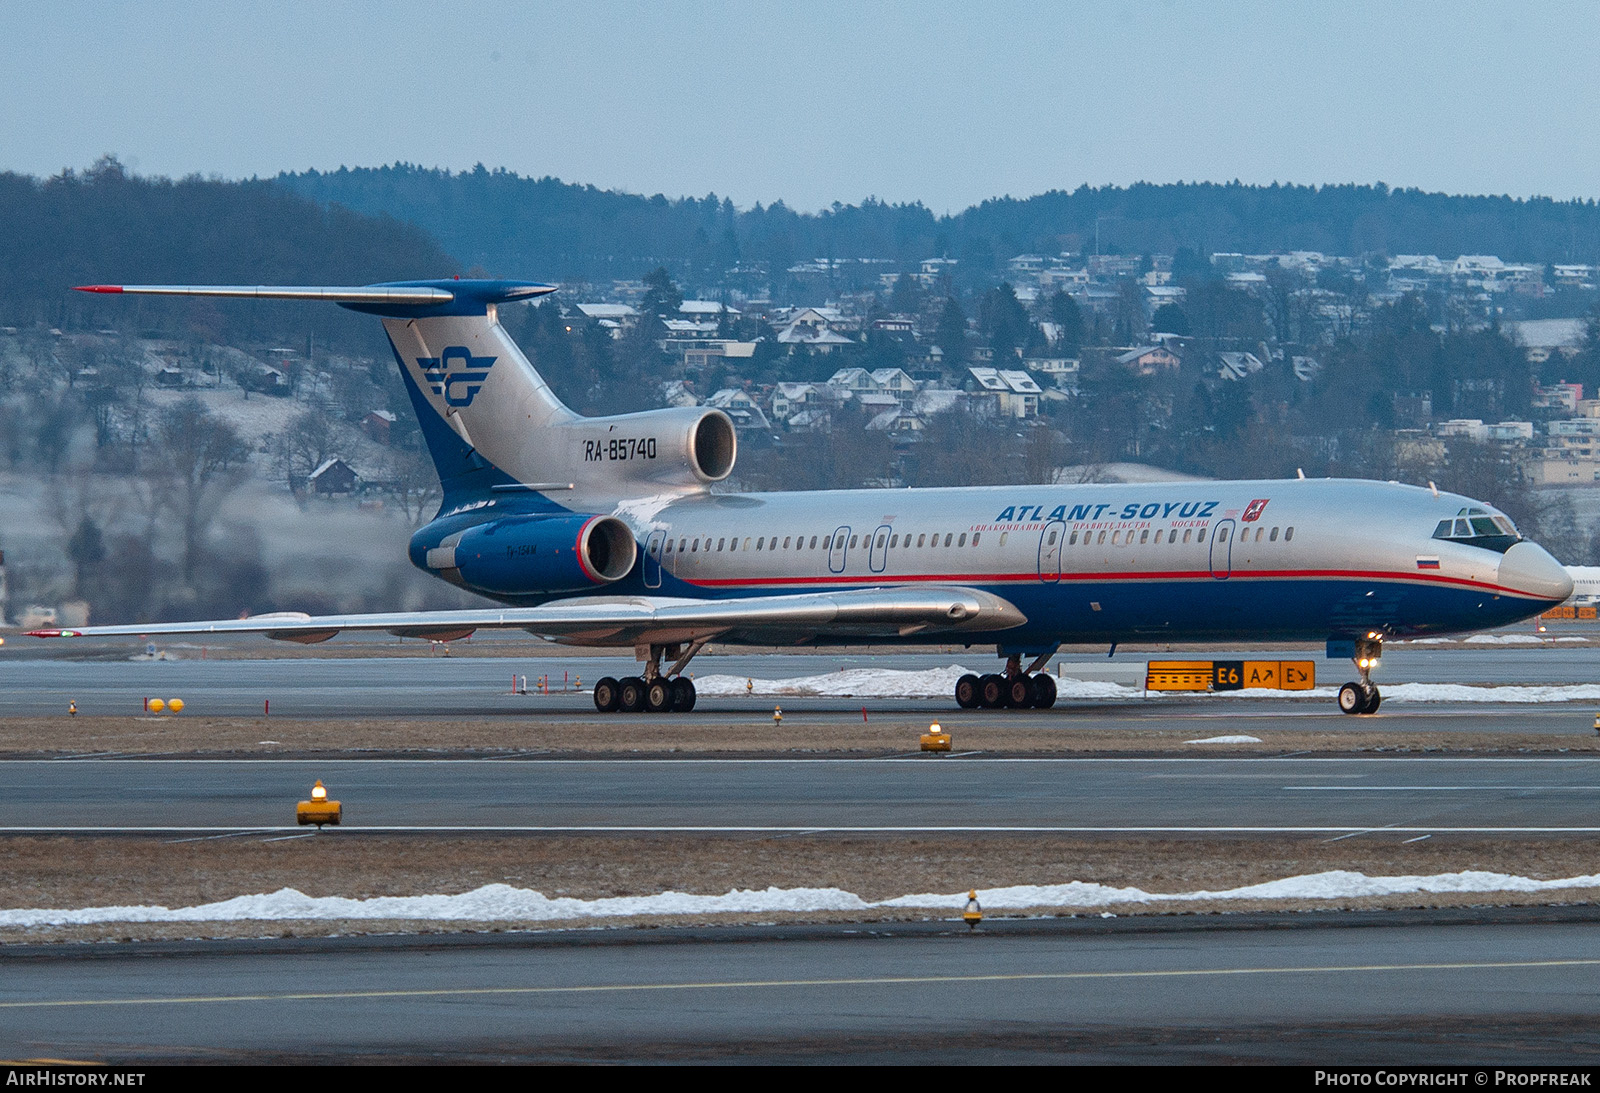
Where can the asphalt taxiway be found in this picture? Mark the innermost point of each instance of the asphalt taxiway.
(1544, 796)
(1369, 989)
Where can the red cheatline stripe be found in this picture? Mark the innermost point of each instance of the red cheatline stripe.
(583, 563)
(1185, 575)
(97, 288)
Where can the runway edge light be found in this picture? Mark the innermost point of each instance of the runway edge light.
(319, 810)
(935, 739)
(974, 913)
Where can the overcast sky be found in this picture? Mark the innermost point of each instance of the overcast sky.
(815, 102)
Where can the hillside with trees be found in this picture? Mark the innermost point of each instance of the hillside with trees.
(105, 225)
(524, 226)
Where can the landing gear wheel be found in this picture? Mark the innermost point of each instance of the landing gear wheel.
(605, 694)
(1373, 701)
(658, 695)
(1352, 698)
(1019, 692)
(992, 691)
(630, 695)
(969, 693)
(682, 695)
(1044, 691)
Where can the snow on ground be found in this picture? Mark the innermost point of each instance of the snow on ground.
(941, 682)
(1226, 740)
(503, 903)
(1493, 639)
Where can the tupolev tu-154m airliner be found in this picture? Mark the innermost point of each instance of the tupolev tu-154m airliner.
(605, 532)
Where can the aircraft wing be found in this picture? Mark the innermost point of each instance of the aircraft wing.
(636, 620)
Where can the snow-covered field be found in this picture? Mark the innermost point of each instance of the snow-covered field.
(503, 903)
(940, 682)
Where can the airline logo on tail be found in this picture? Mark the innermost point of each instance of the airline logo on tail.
(456, 374)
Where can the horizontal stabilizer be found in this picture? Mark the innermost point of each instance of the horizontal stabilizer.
(373, 294)
(452, 296)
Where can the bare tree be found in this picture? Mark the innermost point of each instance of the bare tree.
(200, 457)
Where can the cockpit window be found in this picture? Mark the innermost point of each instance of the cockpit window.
(1479, 527)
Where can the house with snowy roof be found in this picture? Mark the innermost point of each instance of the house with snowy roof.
(741, 407)
(1236, 366)
(333, 476)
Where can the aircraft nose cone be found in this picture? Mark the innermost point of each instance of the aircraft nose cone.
(1528, 568)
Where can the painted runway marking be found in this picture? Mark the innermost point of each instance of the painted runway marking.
(932, 828)
(752, 984)
(931, 762)
(1440, 789)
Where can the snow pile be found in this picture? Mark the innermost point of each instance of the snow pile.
(941, 682)
(1225, 740)
(1460, 692)
(1503, 639)
(883, 683)
(503, 903)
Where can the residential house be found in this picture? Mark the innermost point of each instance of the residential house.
(741, 407)
(1147, 360)
(333, 476)
(1016, 394)
(1236, 366)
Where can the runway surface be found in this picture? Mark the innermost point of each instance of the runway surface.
(479, 689)
(1414, 993)
(376, 686)
(922, 793)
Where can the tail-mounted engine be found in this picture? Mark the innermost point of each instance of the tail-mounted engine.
(668, 448)
(534, 555)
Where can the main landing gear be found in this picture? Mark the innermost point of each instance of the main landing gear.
(655, 691)
(1363, 697)
(1014, 689)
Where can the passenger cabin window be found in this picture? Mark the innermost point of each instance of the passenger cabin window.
(975, 537)
(1200, 535)
(1144, 536)
(947, 539)
(1003, 535)
(853, 539)
(1051, 539)
(1474, 526)
(1273, 538)
(1072, 540)
(1288, 533)
(963, 540)
(883, 538)
(921, 539)
(814, 543)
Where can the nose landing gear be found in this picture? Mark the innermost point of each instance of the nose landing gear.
(1363, 697)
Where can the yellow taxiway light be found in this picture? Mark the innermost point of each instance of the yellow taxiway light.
(777, 715)
(319, 810)
(156, 705)
(935, 739)
(974, 913)
(175, 705)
